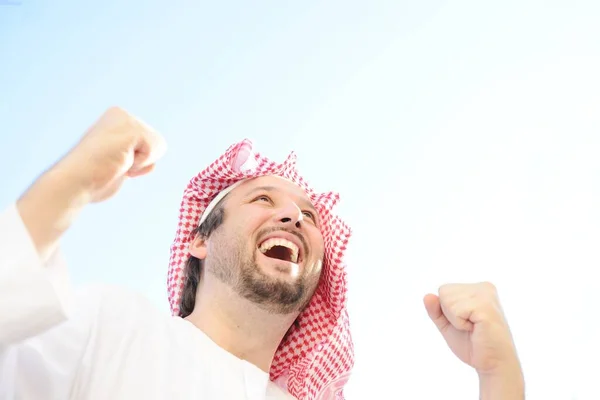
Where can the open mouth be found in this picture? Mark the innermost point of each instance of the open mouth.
(280, 249)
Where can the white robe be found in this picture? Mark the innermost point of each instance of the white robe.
(102, 342)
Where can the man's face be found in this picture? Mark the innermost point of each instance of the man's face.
(269, 247)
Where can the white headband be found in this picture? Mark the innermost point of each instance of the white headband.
(222, 194)
(248, 163)
(217, 199)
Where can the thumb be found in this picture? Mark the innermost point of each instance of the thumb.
(149, 147)
(434, 310)
(146, 153)
(140, 171)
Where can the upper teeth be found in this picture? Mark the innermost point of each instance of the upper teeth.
(269, 243)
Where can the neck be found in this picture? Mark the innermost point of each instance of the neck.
(238, 325)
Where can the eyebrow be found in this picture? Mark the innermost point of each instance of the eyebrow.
(306, 203)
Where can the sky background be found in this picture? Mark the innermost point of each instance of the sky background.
(463, 137)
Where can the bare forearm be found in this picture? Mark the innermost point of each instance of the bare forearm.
(509, 385)
(50, 206)
(115, 147)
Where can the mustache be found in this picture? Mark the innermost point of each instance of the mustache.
(268, 231)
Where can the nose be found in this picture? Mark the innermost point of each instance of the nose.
(290, 214)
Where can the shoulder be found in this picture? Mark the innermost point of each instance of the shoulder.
(116, 302)
(120, 315)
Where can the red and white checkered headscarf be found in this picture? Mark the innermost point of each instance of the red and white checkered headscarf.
(316, 359)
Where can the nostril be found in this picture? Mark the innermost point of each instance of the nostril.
(286, 219)
(297, 224)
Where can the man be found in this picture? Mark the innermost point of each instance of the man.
(256, 285)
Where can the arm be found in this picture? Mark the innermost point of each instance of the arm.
(471, 320)
(508, 385)
(40, 348)
(118, 146)
(42, 334)
(34, 298)
(34, 294)
(50, 206)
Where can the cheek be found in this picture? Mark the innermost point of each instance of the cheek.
(313, 277)
(249, 223)
(318, 257)
(319, 266)
(316, 266)
(318, 246)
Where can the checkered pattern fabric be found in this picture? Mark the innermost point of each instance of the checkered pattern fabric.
(315, 360)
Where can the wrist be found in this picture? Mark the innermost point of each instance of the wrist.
(506, 383)
(74, 177)
(51, 204)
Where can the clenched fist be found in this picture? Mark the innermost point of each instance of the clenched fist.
(115, 147)
(118, 145)
(471, 320)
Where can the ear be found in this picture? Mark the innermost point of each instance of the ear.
(198, 247)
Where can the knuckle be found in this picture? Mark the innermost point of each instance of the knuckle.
(489, 287)
(441, 289)
(489, 284)
(444, 289)
(115, 110)
(117, 114)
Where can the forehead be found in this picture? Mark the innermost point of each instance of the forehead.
(273, 183)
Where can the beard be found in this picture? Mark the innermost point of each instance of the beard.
(234, 265)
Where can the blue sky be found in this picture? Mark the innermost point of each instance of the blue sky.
(463, 137)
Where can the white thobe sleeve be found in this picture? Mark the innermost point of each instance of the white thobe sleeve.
(42, 336)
